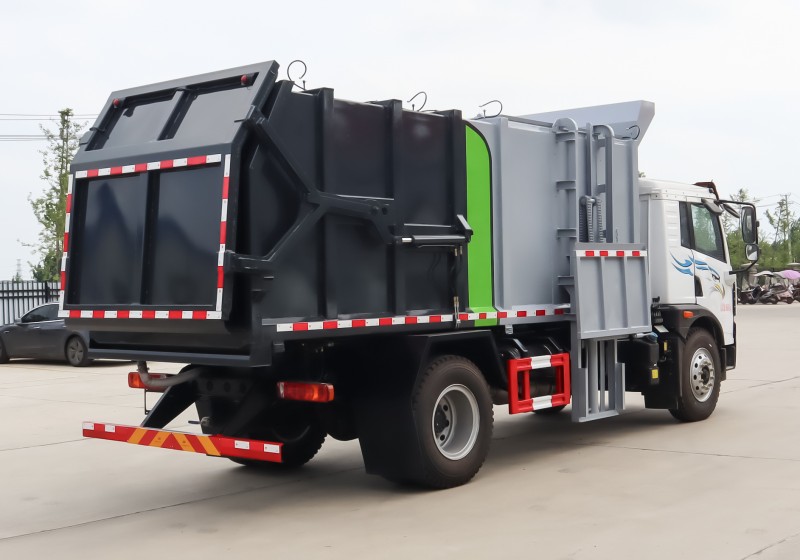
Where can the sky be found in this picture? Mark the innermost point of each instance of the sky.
(723, 74)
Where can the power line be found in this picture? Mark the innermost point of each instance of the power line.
(41, 119)
(46, 115)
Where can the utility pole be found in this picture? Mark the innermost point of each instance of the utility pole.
(787, 225)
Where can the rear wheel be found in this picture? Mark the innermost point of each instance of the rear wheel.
(453, 417)
(700, 378)
(294, 425)
(76, 353)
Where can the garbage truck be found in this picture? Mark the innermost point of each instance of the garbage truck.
(362, 271)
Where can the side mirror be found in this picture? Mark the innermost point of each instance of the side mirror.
(752, 252)
(749, 226)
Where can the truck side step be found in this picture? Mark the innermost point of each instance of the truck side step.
(214, 446)
(526, 403)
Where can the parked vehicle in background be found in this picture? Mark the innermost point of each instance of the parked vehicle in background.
(776, 288)
(41, 334)
(777, 292)
(792, 278)
(750, 295)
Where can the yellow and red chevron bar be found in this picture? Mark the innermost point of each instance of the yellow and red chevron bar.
(215, 446)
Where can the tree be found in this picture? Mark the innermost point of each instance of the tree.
(731, 226)
(784, 221)
(50, 207)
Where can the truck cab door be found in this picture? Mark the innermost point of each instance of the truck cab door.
(712, 278)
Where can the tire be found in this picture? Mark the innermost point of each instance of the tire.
(296, 427)
(4, 357)
(453, 417)
(75, 352)
(700, 387)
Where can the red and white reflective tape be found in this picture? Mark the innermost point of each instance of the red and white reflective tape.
(223, 227)
(212, 445)
(333, 324)
(138, 314)
(520, 313)
(141, 168)
(360, 323)
(64, 248)
(611, 253)
(150, 166)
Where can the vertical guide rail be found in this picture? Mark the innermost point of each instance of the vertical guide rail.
(602, 380)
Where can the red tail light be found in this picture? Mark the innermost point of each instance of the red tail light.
(310, 392)
(135, 381)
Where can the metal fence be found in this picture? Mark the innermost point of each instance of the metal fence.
(17, 298)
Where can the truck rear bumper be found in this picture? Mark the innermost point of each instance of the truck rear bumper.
(214, 446)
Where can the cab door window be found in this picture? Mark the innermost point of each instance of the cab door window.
(707, 233)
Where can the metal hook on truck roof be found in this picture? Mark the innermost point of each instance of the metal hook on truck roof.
(289, 73)
(423, 102)
(497, 114)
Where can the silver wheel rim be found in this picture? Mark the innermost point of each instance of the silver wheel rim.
(455, 422)
(702, 375)
(75, 351)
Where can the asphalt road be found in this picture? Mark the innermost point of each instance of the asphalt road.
(640, 486)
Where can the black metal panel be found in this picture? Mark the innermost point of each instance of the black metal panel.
(322, 193)
(140, 121)
(183, 269)
(358, 150)
(108, 243)
(399, 164)
(427, 279)
(425, 194)
(358, 266)
(189, 116)
(212, 112)
(294, 291)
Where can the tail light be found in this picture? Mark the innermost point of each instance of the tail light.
(310, 392)
(135, 381)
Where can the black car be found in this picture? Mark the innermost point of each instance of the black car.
(41, 334)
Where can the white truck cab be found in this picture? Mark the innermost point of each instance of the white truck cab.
(689, 261)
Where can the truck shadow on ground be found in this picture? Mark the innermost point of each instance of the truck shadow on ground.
(527, 438)
(529, 441)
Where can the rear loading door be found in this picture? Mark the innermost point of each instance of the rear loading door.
(147, 224)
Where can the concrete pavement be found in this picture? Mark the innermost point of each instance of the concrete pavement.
(640, 486)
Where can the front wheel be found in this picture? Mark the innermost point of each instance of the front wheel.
(699, 375)
(453, 417)
(76, 352)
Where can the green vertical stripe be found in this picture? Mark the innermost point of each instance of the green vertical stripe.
(479, 216)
